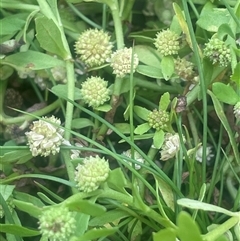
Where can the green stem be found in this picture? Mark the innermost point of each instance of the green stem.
(26, 117)
(3, 86)
(221, 229)
(202, 85)
(17, 5)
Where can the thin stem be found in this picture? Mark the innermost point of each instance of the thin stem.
(202, 86)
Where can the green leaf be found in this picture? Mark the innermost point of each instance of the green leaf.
(225, 30)
(87, 207)
(150, 71)
(211, 17)
(27, 207)
(141, 112)
(168, 234)
(236, 75)
(187, 228)
(148, 55)
(13, 156)
(96, 233)
(167, 66)
(49, 37)
(158, 139)
(104, 108)
(12, 23)
(61, 91)
(166, 192)
(123, 127)
(45, 198)
(141, 129)
(111, 216)
(80, 123)
(116, 180)
(135, 228)
(31, 60)
(225, 123)
(225, 93)
(6, 191)
(194, 204)
(18, 230)
(164, 101)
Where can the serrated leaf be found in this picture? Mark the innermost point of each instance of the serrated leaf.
(194, 204)
(49, 36)
(158, 139)
(80, 123)
(18, 230)
(141, 112)
(225, 93)
(141, 129)
(167, 66)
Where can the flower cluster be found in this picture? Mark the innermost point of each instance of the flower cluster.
(217, 51)
(158, 119)
(167, 42)
(170, 146)
(94, 47)
(137, 157)
(91, 173)
(57, 223)
(184, 69)
(236, 110)
(45, 138)
(94, 91)
(209, 154)
(121, 62)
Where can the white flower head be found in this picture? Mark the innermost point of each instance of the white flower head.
(137, 157)
(45, 138)
(170, 146)
(209, 154)
(236, 110)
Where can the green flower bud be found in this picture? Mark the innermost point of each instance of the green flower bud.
(121, 62)
(91, 173)
(94, 47)
(57, 223)
(236, 110)
(44, 138)
(94, 91)
(184, 69)
(167, 42)
(217, 51)
(158, 119)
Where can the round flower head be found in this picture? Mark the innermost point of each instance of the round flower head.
(184, 69)
(137, 157)
(44, 138)
(94, 91)
(209, 154)
(91, 173)
(94, 47)
(57, 223)
(167, 42)
(170, 146)
(158, 119)
(236, 110)
(217, 51)
(121, 62)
